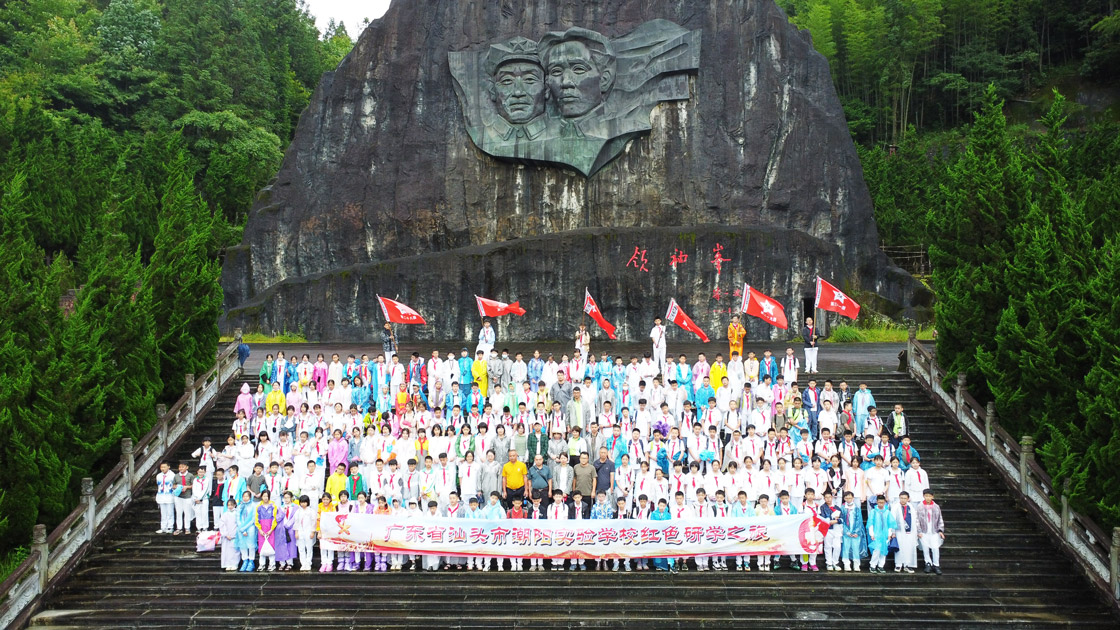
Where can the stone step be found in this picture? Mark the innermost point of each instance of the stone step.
(269, 615)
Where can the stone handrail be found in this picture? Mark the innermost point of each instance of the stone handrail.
(1081, 538)
(53, 557)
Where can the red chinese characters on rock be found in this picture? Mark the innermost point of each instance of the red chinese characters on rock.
(638, 260)
(677, 258)
(717, 258)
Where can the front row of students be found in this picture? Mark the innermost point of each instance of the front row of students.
(283, 533)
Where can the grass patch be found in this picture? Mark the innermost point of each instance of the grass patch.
(262, 338)
(879, 332)
(11, 560)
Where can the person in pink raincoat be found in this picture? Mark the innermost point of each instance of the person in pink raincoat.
(244, 401)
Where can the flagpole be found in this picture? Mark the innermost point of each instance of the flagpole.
(393, 338)
(583, 318)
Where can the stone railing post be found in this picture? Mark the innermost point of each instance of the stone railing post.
(91, 507)
(161, 418)
(1114, 563)
(1065, 511)
(39, 545)
(189, 390)
(962, 387)
(989, 428)
(1026, 456)
(129, 459)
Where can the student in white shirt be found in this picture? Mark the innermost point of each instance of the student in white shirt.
(917, 479)
(701, 510)
(896, 482)
(558, 511)
(906, 533)
(875, 480)
(200, 499)
(306, 522)
(679, 510)
(165, 482)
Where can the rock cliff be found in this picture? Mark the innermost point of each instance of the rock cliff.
(383, 191)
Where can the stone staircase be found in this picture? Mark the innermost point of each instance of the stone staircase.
(1000, 570)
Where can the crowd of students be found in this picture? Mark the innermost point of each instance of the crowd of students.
(499, 437)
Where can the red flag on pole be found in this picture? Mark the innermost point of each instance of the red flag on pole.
(763, 307)
(592, 309)
(678, 317)
(829, 298)
(398, 313)
(494, 308)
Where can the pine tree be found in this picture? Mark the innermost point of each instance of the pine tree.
(987, 194)
(181, 286)
(1091, 466)
(107, 369)
(1039, 337)
(33, 478)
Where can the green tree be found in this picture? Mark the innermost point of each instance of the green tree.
(233, 158)
(987, 193)
(181, 286)
(336, 44)
(33, 478)
(1090, 463)
(107, 370)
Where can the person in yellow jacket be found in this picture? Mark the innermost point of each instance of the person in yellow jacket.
(326, 506)
(735, 336)
(718, 371)
(478, 371)
(336, 483)
(276, 397)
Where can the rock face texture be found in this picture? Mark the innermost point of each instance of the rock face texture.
(382, 190)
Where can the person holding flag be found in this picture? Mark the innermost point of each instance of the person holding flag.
(657, 336)
(486, 340)
(735, 336)
(583, 340)
(809, 334)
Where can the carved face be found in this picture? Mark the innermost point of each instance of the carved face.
(574, 80)
(519, 91)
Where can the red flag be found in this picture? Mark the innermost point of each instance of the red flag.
(398, 313)
(763, 307)
(829, 298)
(592, 309)
(677, 316)
(494, 308)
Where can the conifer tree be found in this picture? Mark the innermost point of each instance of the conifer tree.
(1095, 438)
(987, 193)
(107, 369)
(181, 286)
(33, 478)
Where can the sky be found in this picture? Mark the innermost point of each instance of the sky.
(350, 12)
